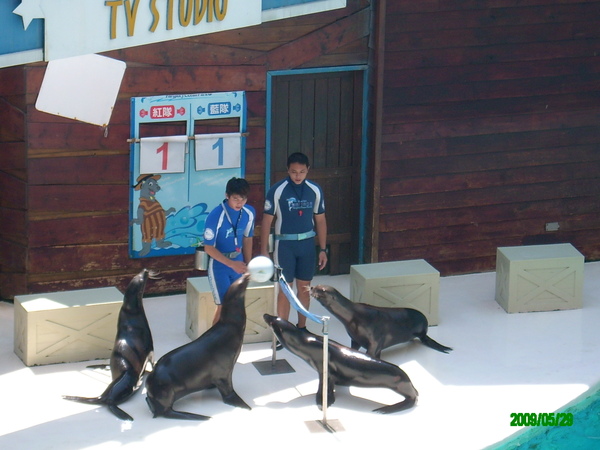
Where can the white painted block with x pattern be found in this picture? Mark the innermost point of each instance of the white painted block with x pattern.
(539, 278)
(67, 326)
(398, 284)
(200, 309)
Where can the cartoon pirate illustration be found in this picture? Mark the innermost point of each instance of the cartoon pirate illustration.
(150, 214)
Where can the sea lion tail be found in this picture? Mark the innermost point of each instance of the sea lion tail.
(409, 402)
(172, 414)
(434, 345)
(98, 366)
(408, 391)
(120, 413)
(100, 401)
(90, 400)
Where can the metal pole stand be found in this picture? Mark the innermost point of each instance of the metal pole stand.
(275, 366)
(331, 426)
(270, 367)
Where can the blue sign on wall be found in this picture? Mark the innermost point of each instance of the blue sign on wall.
(17, 45)
(177, 180)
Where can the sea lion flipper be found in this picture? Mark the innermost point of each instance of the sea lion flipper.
(330, 392)
(98, 366)
(396, 407)
(121, 388)
(172, 414)
(234, 400)
(120, 413)
(90, 400)
(158, 410)
(434, 345)
(100, 401)
(406, 389)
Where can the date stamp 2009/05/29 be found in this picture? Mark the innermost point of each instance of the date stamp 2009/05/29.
(541, 419)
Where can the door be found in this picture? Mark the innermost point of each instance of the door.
(320, 115)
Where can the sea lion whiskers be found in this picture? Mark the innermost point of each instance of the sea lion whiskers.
(155, 275)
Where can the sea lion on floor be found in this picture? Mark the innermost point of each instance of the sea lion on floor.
(373, 327)
(203, 363)
(347, 367)
(132, 351)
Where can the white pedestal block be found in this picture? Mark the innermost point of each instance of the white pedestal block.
(539, 278)
(200, 309)
(66, 326)
(398, 284)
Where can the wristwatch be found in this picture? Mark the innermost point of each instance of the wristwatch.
(324, 250)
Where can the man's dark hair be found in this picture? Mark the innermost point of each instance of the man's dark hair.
(299, 158)
(237, 186)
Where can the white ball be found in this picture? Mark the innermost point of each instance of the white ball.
(261, 269)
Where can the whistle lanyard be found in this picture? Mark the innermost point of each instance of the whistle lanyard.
(235, 227)
(299, 195)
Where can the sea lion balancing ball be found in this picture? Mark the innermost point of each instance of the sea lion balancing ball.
(261, 269)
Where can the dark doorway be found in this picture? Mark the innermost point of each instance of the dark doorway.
(320, 114)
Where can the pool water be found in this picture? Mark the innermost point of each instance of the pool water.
(584, 434)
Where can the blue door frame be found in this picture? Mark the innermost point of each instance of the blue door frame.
(363, 153)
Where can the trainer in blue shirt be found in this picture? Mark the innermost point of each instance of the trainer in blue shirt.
(298, 207)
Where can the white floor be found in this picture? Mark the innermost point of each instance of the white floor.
(501, 363)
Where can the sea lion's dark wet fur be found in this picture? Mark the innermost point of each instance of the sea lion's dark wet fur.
(347, 367)
(203, 363)
(373, 327)
(132, 351)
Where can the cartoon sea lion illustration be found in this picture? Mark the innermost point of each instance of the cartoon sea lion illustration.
(150, 214)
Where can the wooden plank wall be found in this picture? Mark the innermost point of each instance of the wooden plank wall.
(13, 177)
(490, 129)
(77, 177)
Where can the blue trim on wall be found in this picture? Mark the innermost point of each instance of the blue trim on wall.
(272, 4)
(268, 133)
(243, 130)
(362, 214)
(132, 134)
(365, 124)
